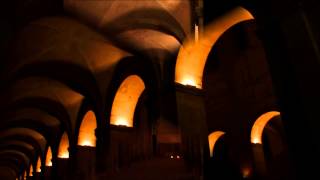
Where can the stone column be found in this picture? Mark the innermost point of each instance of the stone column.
(62, 168)
(86, 163)
(192, 121)
(36, 176)
(260, 166)
(47, 172)
(102, 149)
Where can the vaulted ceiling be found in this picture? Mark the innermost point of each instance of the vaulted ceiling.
(59, 54)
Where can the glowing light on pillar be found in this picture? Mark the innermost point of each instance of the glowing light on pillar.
(25, 175)
(213, 138)
(38, 167)
(122, 122)
(88, 126)
(125, 101)
(196, 33)
(63, 151)
(49, 157)
(193, 54)
(258, 126)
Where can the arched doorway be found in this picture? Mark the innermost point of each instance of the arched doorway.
(63, 151)
(125, 101)
(127, 142)
(88, 126)
(269, 146)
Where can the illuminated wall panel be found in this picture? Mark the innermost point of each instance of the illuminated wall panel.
(87, 135)
(63, 151)
(49, 157)
(31, 170)
(125, 101)
(38, 167)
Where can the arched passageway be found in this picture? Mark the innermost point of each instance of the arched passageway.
(125, 101)
(63, 151)
(49, 157)
(88, 126)
(269, 147)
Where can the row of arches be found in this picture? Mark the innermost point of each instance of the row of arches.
(266, 149)
(189, 73)
(256, 131)
(122, 114)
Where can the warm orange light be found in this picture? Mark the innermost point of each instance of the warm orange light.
(122, 122)
(49, 157)
(258, 126)
(25, 175)
(125, 101)
(212, 138)
(193, 54)
(31, 171)
(196, 33)
(246, 172)
(63, 147)
(87, 135)
(38, 167)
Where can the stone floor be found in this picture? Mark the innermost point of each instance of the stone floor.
(154, 169)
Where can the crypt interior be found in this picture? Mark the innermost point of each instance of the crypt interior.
(159, 89)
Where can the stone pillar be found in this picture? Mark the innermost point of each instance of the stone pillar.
(62, 168)
(260, 166)
(102, 149)
(192, 121)
(47, 172)
(36, 176)
(86, 162)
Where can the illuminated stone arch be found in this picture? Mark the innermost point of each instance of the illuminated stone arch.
(63, 151)
(193, 54)
(49, 157)
(259, 125)
(213, 138)
(125, 101)
(87, 135)
(38, 166)
(30, 170)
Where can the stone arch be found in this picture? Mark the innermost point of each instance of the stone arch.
(31, 169)
(259, 125)
(125, 101)
(38, 166)
(48, 161)
(63, 151)
(87, 135)
(213, 138)
(193, 55)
